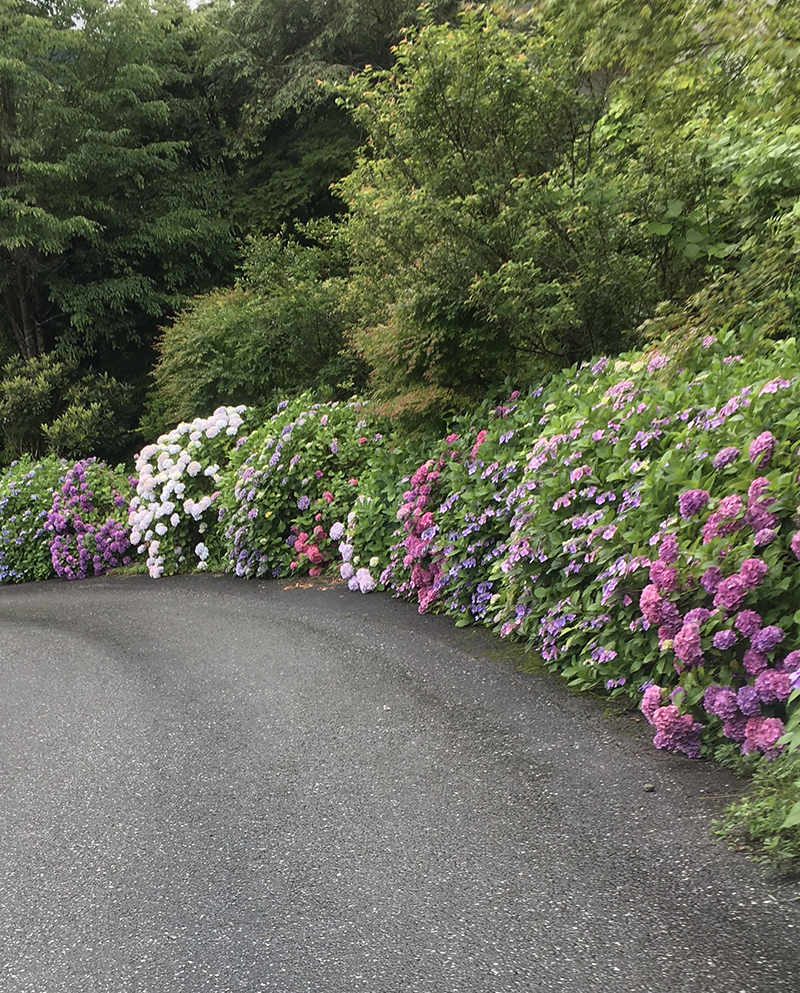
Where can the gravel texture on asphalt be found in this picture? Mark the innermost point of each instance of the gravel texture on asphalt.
(208, 784)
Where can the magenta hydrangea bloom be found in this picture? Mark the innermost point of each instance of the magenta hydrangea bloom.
(762, 449)
(676, 732)
(748, 702)
(794, 544)
(772, 686)
(768, 638)
(730, 593)
(651, 701)
(792, 661)
(756, 490)
(691, 502)
(723, 640)
(725, 456)
(754, 662)
(664, 576)
(687, 645)
(721, 702)
(764, 537)
(735, 727)
(730, 506)
(711, 579)
(752, 572)
(762, 736)
(668, 549)
(748, 622)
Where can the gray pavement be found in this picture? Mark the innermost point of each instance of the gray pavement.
(214, 785)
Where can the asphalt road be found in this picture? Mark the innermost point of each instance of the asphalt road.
(214, 785)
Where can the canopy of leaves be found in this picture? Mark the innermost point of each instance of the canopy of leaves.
(109, 200)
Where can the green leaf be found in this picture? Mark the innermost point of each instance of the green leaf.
(792, 818)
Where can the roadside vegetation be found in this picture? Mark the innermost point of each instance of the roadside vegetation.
(497, 312)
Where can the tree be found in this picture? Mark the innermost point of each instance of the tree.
(269, 67)
(482, 243)
(110, 196)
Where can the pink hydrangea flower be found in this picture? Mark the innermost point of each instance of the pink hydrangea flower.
(762, 735)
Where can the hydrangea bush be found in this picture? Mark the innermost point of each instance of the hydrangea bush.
(293, 483)
(26, 495)
(619, 522)
(175, 513)
(87, 521)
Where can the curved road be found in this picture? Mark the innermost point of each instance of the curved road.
(214, 785)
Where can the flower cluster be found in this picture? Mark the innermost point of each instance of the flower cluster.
(174, 514)
(88, 521)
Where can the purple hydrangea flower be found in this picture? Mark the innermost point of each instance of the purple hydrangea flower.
(748, 702)
(725, 456)
(762, 449)
(752, 572)
(664, 576)
(748, 622)
(768, 638)
(754, 662)
(735, 728)
(721, 701)
(711, 579)
(794, 544)
(792, 661)
(723, 640)
(692, 501)
(668, 549)
(730, 593)
(303, 503)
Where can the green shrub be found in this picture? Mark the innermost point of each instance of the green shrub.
(278, 332)
(50, 406)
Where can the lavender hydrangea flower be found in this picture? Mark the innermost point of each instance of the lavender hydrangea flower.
(690, 502)
(794, 544)
(721, 702)
(723, 640)
(748, 702)
(725, 456)
(768, 638)
(711, 579)
(668, 549)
